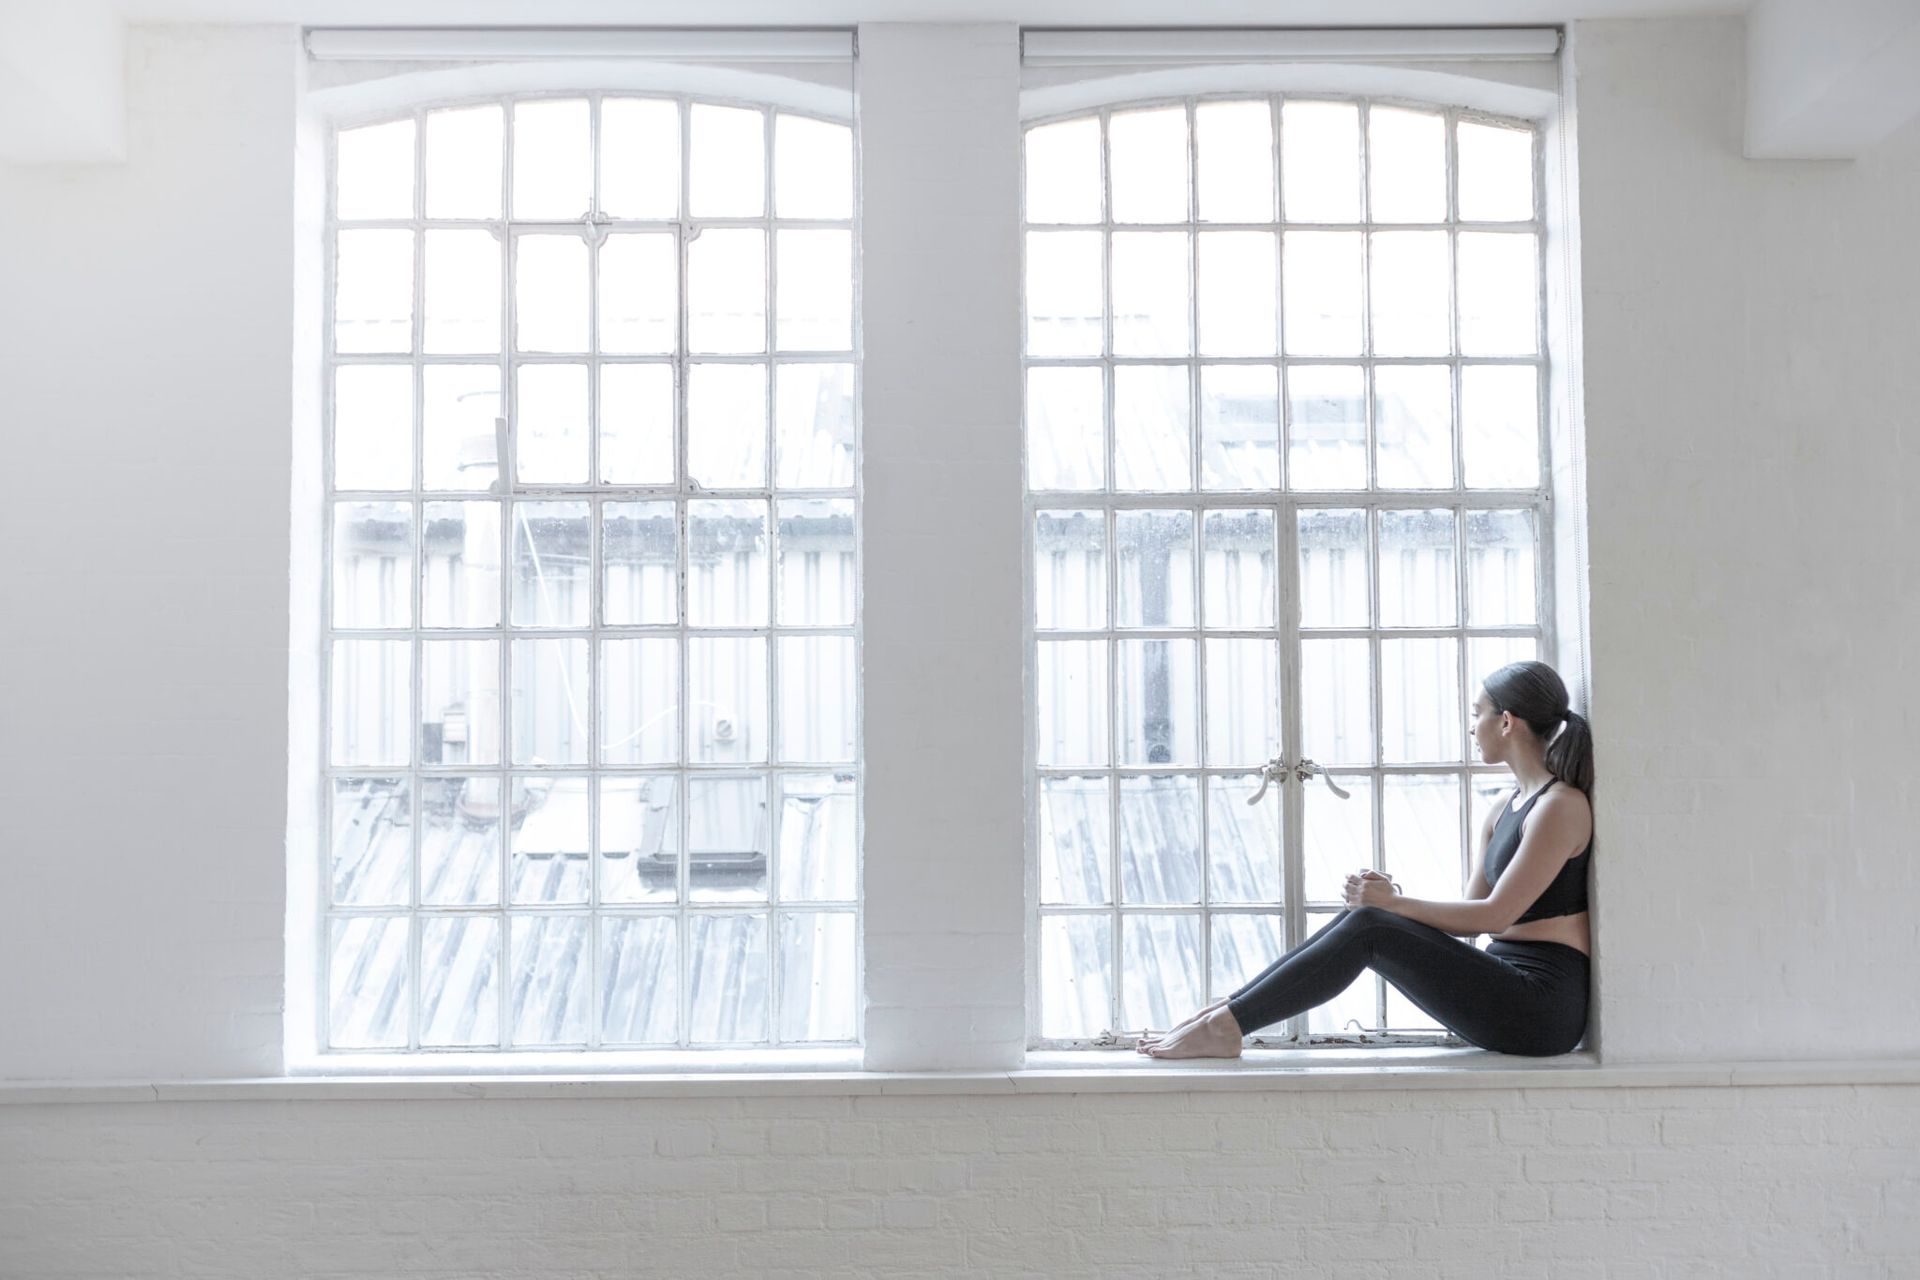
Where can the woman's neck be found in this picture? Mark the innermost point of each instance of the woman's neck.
(1530, 774)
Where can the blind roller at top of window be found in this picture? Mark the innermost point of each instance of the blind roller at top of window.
(654, 44)
(1195, 47)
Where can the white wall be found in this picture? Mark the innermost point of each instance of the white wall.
(1749, 383)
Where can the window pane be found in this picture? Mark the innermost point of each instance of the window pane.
(727, 425)
(816, 562)
(728, 955)
(375, 174)
(816, 976)
(1239, 427)
(1338, 835)
(816, 699)
(639, 293)
(1237, 314)
(373, 427)
(1243, 841)
(551, 564)
(367, 966)
(640, 975)
(1152, 431)
(814, 286)
(813, 426)
(1164, 969)
(1150, 294)
(459, 702)
(1070, 678)
(1500, 425)
(812, 168)
(727, 290)
(1413, 426)
(550, 440)
(640, 563)
(1420, 700)
(460, 564)
(1069, 570)
(1066, 436)
(818, 820)
(1500, 568)
(727, 563)
(727, 691)
(1499, 294)
(1156, 568)
(1487, 654)
(1148, 164)
(636, 424)
(459, 982)
(1064, 309)
(460, 841)
(1076, 976)
(1326, 427)
(1336, 701)
(1417, 585)
(1235, 161)
(639, 842)
(372, 861)
(1243, 946)
(1333, 568)
(1496, 173)
(639, 158)
(547, 852)
(1406, 165)
(548, 994)
(1354, 1010)
(1159, 840)
(1323, 293)
(462, 292)
(373, 292)
(1243, 702)
(552, 160)
(640, 701)
(463, 162)
(729, 162)
(550, 293)
(1320, 161)
(548, 703)
(1075, 848)
(1157, 695)
(459, 447)
(1408, 285)
(372, 683)
(1063, 172)
(1421, 834)
(1240, 568)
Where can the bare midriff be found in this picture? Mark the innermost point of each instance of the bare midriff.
(1568, 930)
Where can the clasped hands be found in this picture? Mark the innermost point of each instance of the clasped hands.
(1369, 888)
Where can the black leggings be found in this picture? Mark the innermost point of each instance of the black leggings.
(1514, 997)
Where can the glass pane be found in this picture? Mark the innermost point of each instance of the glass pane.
(1500, 425)
(1413, 416)
(727, 290)
(1243, 841)
(727, 562)
(460, 841)
(1148, 165)
(459, 702)
(459, 982)
(367, 972)
(641, 564)
(639, 158)
(1239, 427)
(1069, 570)
(1408, 288)
(462, 298)
(816, 583)
(1420, 821)
(1333, 568)
(1487, 654)
(816, 699)
(729, 171)
(812, 168)
(727, 425)
(1064, 311)
(1237, 311)
(639, 293)
(552, 160)
(1326, 427)
(460, 445)
(550, 293)
(819, 817)
(1156, 568)
(1404, 1015)
(640, 976)
(548, 703)
(1076, 976)
(1156, 702)
(1066, 435)
(547, 852)
(1420, 700)
(372, 564)
(1499, 294)
(727, 956)
(1336, 697)
(1159, 840)
(727, 699)
(640, 700)
(1063, 172)
(551, 968)
(373, 427)
(375, 178)
(1243, 946)
(1417, 586)
(1323, 293)
(1152, 428)
(372, 864)
(1240, 569)
(460, 564)
(636, 424)
(1070, 714)
(1150, 294)
(814, 285)
(1164, 969)
(816, 976)
(373, 292)
(1243, 702)
(639, 840)
(1496, 173)
(1320, 161)
(1354, 1010)
(552, 564)
(1076, 850)
(1500, 574)
(1406, 165)
(550, 440)
(1337, 835)
(1235, 142)
(813, 426)
(463, 162)
(372, 681)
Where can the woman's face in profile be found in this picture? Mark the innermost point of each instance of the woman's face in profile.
(1486, 728)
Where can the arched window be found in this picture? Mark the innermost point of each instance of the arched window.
(590, 742)
(1285, 473)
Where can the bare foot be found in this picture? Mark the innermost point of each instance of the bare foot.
(1150, 1038)
(1217, 1035)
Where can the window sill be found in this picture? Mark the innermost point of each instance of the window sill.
(1327, 1069)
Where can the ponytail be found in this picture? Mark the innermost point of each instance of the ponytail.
(1570, 754)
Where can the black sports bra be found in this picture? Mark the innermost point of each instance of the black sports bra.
(1567, 895)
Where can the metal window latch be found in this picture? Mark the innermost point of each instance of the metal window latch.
(1276, 771)
(1307, 768)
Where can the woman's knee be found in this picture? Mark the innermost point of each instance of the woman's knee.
(1369, 917)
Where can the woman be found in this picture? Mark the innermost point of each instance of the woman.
(1527, 992)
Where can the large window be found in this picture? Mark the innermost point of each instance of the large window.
(1285, 507)
(591, 728)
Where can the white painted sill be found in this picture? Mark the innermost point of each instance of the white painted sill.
(1051, 1073)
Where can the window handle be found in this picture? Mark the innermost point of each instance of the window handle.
(1275, 771)
(1307, 768)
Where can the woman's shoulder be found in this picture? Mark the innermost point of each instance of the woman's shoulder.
(1565, 806)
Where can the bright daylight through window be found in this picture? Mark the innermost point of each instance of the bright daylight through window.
(590, 648)
(1286, 506)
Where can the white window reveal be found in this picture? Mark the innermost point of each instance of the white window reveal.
(1285, 461)
(591, 742)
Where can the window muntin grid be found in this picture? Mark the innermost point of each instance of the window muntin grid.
(674, 631)
(1381, 438)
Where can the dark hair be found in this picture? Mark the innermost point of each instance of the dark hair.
(1534, 692)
